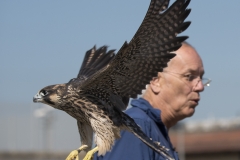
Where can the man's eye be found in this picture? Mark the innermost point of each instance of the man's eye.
(43, 93)
(190, 77)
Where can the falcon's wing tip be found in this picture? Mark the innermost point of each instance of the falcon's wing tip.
(95, 59)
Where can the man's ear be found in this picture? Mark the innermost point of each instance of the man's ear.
(155, 84)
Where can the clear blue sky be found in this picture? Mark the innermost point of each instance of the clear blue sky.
(43, 42)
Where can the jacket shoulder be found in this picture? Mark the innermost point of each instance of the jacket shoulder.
(137, 113)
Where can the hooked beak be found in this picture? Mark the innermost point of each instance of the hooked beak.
(37, 98)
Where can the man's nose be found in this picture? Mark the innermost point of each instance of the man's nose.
(199, 87)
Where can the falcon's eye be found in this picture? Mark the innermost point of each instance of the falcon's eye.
(43, 93)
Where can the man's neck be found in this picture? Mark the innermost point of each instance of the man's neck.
(167, 118)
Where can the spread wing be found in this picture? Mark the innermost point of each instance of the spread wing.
(95, 60)
(147, 53)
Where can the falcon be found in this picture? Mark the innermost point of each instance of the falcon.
(97, 97)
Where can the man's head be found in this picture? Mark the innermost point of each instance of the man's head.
(176, 90)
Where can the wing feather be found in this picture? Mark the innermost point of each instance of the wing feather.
(145, 55)
(94, 61)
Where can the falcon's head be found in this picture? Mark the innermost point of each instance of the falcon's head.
(53, 95)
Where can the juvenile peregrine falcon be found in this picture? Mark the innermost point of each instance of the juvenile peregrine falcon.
(105, 82)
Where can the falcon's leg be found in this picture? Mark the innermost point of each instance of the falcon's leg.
(86, 136)
(74, 154)
(90, 154)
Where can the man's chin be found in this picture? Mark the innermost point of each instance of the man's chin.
(190, 112)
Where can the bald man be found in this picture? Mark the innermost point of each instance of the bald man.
(169, 98)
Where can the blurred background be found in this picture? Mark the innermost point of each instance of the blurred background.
(43, 43)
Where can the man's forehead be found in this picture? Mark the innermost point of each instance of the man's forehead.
(186, 58)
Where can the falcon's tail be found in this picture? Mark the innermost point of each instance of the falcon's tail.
(95, 60)
(136, 130)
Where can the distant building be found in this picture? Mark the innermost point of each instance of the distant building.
(208, 140)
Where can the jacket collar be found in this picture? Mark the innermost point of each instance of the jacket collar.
(153, 113)
(144, 105)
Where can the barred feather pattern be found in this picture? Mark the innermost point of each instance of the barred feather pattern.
(95, 60)
(147, 53)
(95, 115)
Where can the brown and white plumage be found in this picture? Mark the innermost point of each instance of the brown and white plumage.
(103, 87)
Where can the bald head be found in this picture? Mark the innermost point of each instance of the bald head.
(186, 56)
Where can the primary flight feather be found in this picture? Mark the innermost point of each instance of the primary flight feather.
(105, 82)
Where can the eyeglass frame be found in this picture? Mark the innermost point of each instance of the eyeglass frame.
(192, 76)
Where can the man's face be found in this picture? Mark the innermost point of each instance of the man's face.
(178, 91)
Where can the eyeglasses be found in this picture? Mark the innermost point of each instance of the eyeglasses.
(195, 79)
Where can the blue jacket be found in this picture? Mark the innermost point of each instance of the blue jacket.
(129, 147)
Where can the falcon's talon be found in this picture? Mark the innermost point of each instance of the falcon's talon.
(90, 153)
(74, 154)
(82, 148)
